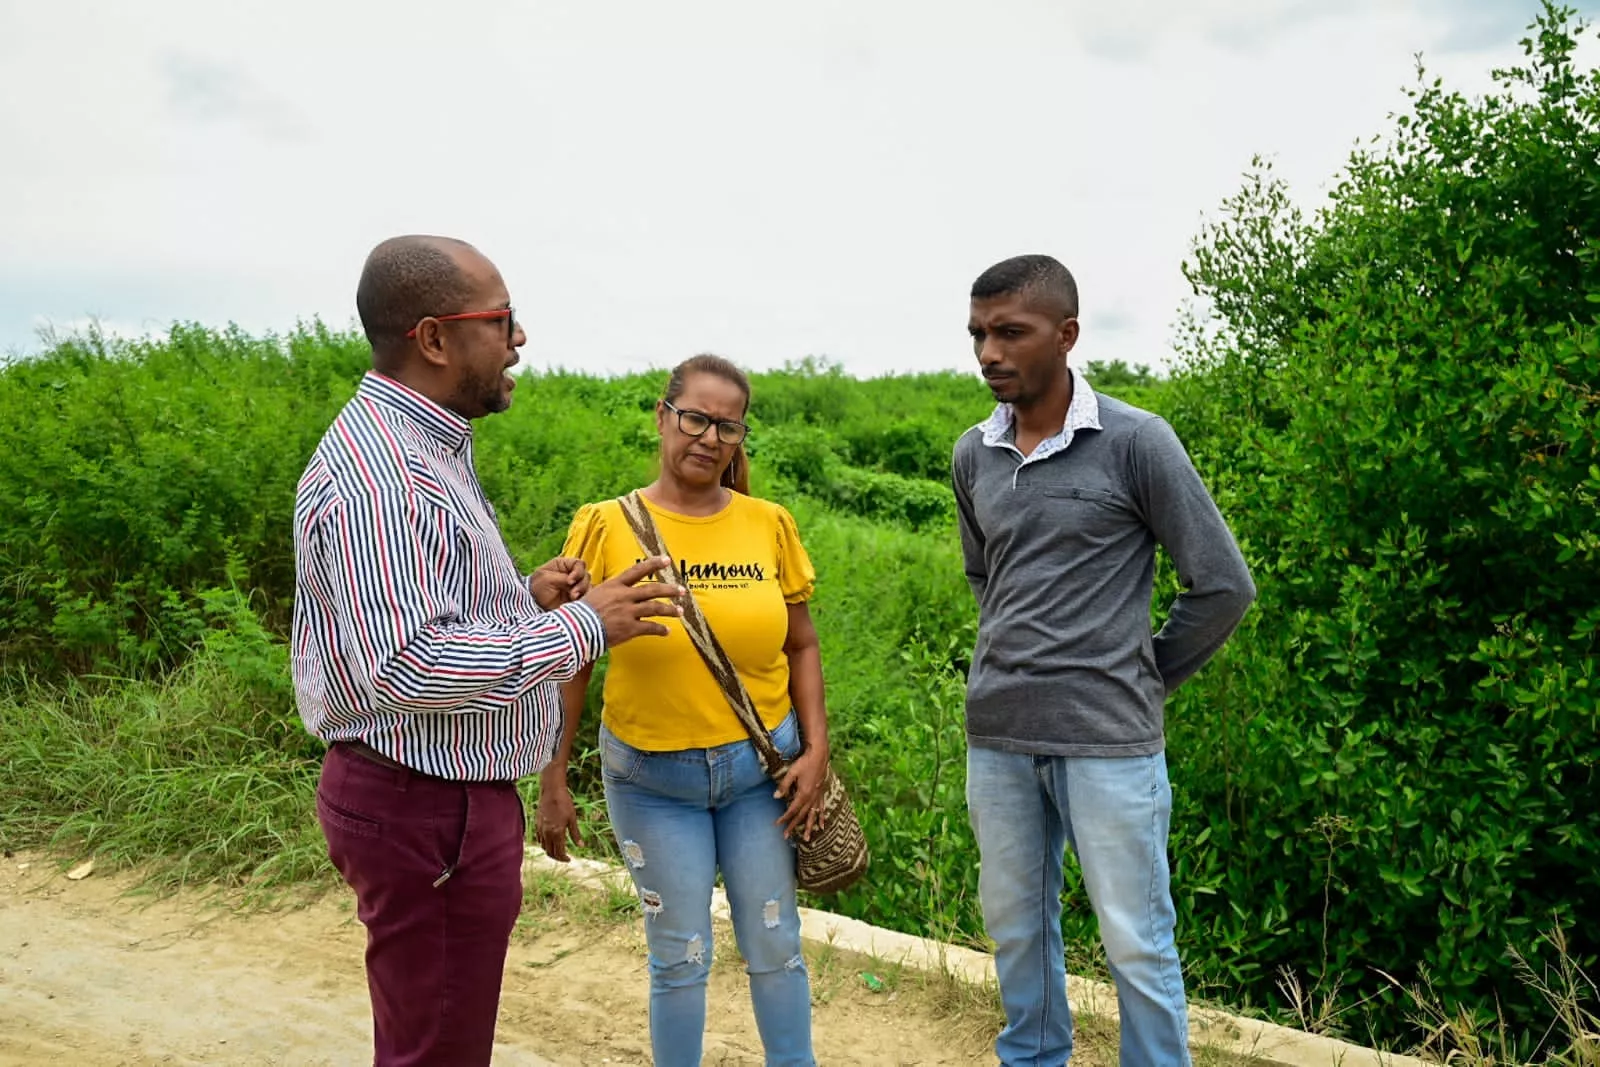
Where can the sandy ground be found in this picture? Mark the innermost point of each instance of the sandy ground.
(91, 975)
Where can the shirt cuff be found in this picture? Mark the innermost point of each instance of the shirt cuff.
(588, 633)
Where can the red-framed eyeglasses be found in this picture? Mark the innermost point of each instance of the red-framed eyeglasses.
(509, 314)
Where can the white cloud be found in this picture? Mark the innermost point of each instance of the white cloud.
(656, 180)
(209, 93)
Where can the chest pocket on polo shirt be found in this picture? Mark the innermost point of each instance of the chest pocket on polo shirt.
(1092, 513)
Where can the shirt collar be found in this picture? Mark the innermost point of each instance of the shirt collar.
(445, 426)
(1082, 414)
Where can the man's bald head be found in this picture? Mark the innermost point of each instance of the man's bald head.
(405, 279)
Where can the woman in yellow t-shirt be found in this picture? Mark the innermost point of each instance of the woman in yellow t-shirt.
(685, 790)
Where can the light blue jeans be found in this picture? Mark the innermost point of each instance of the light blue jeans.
(1114, 813)
(679, 817)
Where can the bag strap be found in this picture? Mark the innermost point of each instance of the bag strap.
(705, 641)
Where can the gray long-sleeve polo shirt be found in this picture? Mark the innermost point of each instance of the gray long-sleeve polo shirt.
(1060, 552)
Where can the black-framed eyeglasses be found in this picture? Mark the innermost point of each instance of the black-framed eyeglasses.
(508, 313)
(696, 423)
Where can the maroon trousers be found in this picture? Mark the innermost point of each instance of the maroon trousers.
(437, 871)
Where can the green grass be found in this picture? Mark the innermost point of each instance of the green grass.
(197, 778)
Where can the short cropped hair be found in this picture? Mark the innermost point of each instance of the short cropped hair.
(406, 279)
(1041, 281)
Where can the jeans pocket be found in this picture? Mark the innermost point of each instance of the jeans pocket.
(619, 761)
(345, 820)
(787, 737)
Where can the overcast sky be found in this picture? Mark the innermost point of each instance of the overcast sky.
(656, 179)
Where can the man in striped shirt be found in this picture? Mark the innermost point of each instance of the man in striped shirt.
(422, 656)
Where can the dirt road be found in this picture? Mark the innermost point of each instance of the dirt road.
(91, 976)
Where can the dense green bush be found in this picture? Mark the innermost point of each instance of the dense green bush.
(803, 457)
(135, 476)
(1394, 769)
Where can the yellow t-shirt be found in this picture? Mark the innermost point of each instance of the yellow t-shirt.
(743, 565)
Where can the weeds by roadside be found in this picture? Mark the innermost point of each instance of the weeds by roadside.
(1472, 1039)
(1461, 1037)
(198, 778)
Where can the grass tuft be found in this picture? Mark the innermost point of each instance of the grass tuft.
(198, 778)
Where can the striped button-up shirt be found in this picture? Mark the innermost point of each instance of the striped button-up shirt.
(413, 629)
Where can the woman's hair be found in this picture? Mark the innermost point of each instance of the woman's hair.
(737, 476)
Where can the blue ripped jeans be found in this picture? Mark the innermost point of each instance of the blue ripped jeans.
(679, 817)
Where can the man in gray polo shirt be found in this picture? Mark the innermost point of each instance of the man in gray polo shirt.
(1062, 498)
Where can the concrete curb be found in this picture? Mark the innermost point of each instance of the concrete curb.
(1227, 1033)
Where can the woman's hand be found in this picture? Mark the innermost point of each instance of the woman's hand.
(802, 784)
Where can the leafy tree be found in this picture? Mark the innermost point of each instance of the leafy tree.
(1116, 373)
(1399, 402)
